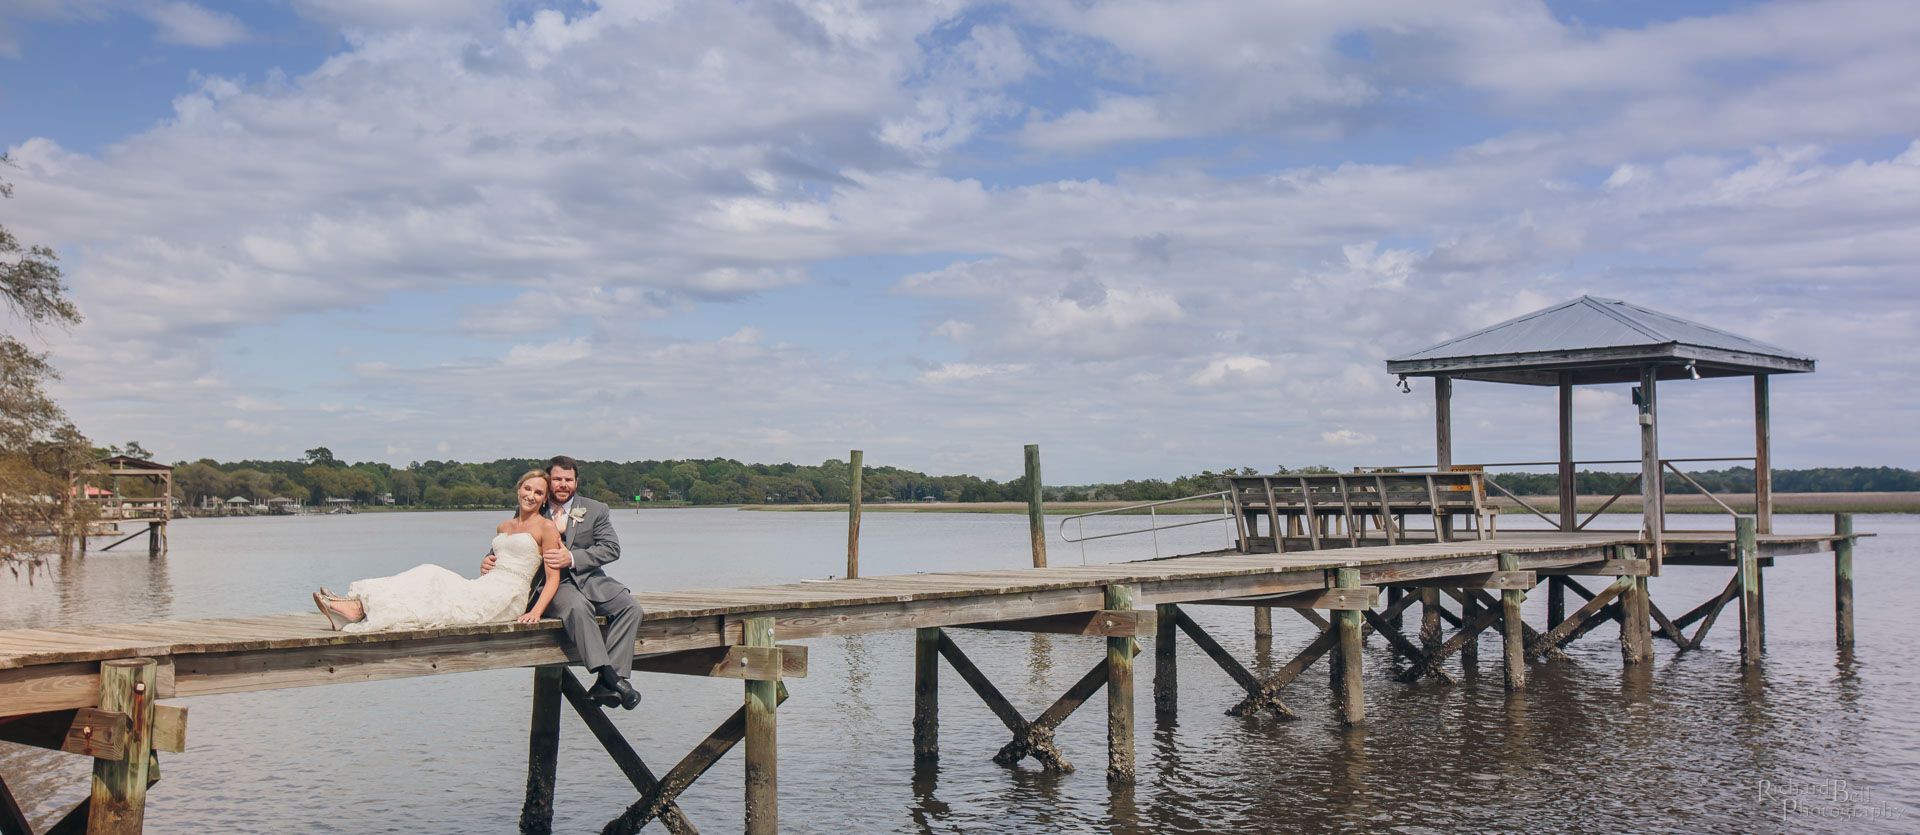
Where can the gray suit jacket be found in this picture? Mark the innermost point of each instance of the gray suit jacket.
(589, 535)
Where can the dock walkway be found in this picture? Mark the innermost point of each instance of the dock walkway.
(45, 674)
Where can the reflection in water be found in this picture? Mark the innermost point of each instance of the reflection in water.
(1348, 788)
(1040, 661)
(1677, 745)
(927, 809)
(858, 665)
(1122, 814)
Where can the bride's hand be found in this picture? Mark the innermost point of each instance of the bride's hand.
(528, 618)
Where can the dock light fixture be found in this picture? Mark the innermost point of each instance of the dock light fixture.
(1405, 387)
(1693, 370)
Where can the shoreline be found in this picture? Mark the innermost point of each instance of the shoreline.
(1783, 503)
(1684, 503)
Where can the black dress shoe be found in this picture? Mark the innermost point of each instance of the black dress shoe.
(628, 697)
(603, 695)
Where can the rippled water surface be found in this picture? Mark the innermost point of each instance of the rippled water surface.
(1685, 744)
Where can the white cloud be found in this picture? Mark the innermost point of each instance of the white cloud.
(384, 14)
(549, 355)
(954, 371)
(1344, 437)
(661, 201)
(190, 24)
(1238, 369)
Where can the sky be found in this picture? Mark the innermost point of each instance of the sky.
(1152, 237)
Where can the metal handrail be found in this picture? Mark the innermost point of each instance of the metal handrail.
(1154, 527)
(1609, 503)
(1523, 502)
(1703, 491)
(1417, 467)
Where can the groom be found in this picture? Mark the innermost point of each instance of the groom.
(587, 544)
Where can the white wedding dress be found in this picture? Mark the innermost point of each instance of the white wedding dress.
(428, 596)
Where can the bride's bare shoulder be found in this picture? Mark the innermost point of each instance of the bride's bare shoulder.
(504, 526)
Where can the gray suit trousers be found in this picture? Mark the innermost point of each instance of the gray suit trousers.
(588, 641)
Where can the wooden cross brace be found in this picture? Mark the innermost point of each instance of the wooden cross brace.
(1528, 633)
(1705, 613)
(1258, 698)
(622, 753)
(1599, 607)
(1266, 696)
(657, 799)
(1426, 666)
(1382, 622)
(1030, 738)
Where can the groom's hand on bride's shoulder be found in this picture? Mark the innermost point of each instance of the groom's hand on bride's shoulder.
(486, 563)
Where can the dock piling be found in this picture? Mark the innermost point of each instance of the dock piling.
(853, 513)
(1513, 640)
(762, 759)
(1119, 694)
(543, 751)
(119, 798)
(1346, 661)
(1166, 671)
(1636, 623)
(926, 694)
(1843, 581)
(1746, 549)
(1429, 619)
(1470, 651)
(1036, 508)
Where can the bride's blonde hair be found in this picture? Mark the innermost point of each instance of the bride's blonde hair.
(539, 474)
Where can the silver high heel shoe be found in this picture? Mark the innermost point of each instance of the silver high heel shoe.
(335, 620)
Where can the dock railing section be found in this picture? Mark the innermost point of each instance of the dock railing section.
(1153, 527)
(1312, 511)
(1629, 486)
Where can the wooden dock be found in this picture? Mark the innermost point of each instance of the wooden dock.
(93, 689)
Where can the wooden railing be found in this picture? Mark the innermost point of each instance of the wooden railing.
(1307, 505)
(1667, 465)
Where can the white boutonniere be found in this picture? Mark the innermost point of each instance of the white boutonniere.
(579, 514)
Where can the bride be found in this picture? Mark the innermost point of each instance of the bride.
(428, 596)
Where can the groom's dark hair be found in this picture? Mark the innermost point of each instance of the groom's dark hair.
(565, 462)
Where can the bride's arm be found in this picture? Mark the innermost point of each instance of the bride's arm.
(549, 538)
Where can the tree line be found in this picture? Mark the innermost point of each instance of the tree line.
(723, 481)
(319, 475)
(452, 484)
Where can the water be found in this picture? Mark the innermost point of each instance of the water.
(1686, 744)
